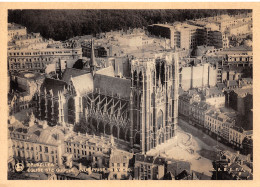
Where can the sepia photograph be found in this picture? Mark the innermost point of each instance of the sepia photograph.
(129, 94)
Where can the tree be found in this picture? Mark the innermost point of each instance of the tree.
(64, 24)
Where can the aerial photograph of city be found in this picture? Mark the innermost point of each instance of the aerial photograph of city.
(130, 94)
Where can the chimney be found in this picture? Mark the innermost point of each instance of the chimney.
(70, 164)
(44, 124)
(80, 166)
(89, 170)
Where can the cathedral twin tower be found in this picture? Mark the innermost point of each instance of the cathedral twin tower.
(154, 99)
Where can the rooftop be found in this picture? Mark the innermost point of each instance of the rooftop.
(238, 48)
(112, 85)
(150, 159)
(213, 92)
(118, 159)
(72, 72)
(42, 133)
(14, 26)
(54, 85)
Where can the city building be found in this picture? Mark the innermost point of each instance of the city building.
(176, 167)
(181, 35)
(215, 121)
(217, 39)
(37, 142)
(15, 30)
(215, 97)
(93, 148)
(239, 56)
(198, 75)
(118, 166)
(36, 59)
(240, 99)
(232, 166)
(26, 40)
(149, 167)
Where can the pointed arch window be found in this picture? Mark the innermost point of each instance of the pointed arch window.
(140, 79)
(135, 78)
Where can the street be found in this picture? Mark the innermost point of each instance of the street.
(206, 139)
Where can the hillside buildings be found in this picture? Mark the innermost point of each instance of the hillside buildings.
(15, 30)
(30, 52)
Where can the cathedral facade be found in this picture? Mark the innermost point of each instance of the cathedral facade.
(141, 110)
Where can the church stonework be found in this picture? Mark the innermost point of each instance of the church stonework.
(141, 111)
(153, 111)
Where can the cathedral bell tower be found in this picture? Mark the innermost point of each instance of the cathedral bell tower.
(141, 106)
(154, 101)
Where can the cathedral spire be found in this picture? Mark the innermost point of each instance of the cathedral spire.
(92, 59)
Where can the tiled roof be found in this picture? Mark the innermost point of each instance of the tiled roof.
(244, 91)
(83, 84)
(148, 159)
(221, 86)
(233, 83)
(48, 135)
(159, 161)
(72, 72)
(239, 48)
(139, 157)
(112, 85)
(51, 136)
(118, 159)
(53, 84)
(214, 91)
(184, 174)
(247, 79)
(109, 71)
(177, 166)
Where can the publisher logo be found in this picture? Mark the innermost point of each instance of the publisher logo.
(19, 167)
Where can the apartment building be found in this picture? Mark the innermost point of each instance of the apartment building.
(89, 147)
(214, 121)
(149, 167)
(15, 30)
(118, 166)
(23, 58)
(183, 36)
(238, 56)
(214, 97)
(37, 142)
(23, 40)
